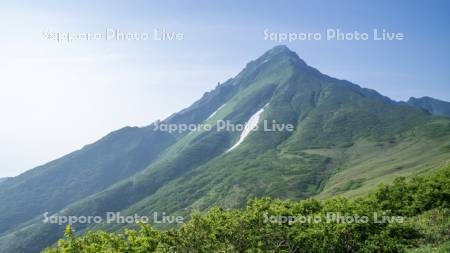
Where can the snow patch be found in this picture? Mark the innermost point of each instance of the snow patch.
(210, 116)
(249, 126)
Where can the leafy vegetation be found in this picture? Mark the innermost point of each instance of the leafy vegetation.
(423, 201)
(347, 140)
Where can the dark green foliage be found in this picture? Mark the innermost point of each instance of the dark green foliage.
(247, 230)
(347, 139)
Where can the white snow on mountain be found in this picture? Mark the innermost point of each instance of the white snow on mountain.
(249, 126)
(210, 116)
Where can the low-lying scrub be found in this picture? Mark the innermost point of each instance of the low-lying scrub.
(408, 215)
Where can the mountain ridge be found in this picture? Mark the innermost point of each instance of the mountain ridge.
(2, 179)
(431, 105)
(337, 124)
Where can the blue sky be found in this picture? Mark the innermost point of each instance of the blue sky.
(58, 96)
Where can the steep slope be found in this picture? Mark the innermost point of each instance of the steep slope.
(3, 179)
(250, 126)
(56, 184)
(119, 155)
(431, 105)
(243, 95)
(338, 126)
(347, 140)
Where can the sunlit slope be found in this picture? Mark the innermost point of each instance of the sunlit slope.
(335, 150)
(347, 139)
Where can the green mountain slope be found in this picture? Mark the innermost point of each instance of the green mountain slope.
(417, 209)
(189, 152)
(119, 155)
(345, 143)
(347, 139)
(431, 105)
(52, 186)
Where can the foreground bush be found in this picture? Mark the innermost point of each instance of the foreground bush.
(268, 225)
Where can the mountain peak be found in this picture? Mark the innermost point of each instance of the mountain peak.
(281, 50)
(427, 98)
(432, 105)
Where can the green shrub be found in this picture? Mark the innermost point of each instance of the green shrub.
(253, 229)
